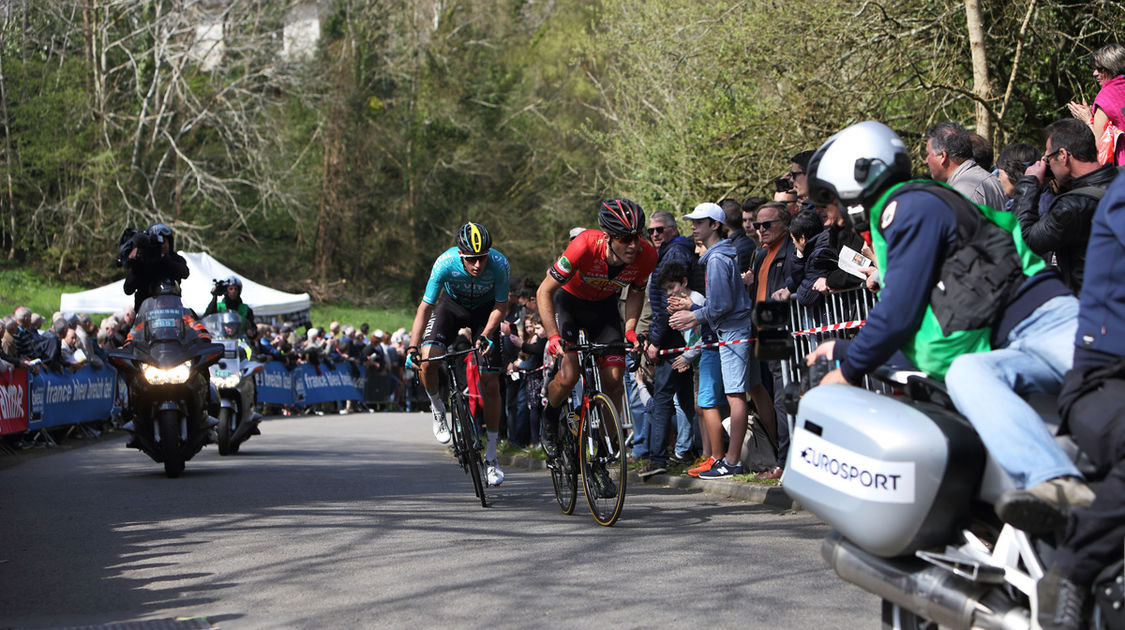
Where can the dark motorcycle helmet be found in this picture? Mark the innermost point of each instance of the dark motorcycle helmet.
(473, 240)
(621, 217)
(160, 232)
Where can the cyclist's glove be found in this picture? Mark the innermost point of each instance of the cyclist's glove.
(484, 343)
(554, 345)
(631, 337)
(413, 358)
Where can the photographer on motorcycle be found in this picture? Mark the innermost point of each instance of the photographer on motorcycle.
(1092, 406)
(230, 290)
(150, 258)
(966, 301)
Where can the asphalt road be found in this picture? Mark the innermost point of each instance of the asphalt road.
(364, 521)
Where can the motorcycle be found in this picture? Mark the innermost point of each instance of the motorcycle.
(233, 378)
(164, 367)
(908, 488)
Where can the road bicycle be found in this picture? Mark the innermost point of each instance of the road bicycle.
(591, 442)
(466, 440)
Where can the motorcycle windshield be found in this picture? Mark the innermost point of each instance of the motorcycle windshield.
(163, 318)
(225, 325)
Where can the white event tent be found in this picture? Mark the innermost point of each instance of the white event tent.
(268, 304)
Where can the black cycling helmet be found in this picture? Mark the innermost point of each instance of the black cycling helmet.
(621, 217)
(473, 240)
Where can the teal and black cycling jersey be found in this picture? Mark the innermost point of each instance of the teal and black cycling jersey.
(449, 275)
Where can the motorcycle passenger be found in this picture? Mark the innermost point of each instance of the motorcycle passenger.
(993, 327)
(1092, 406)
(230, 290)
(150, 258)
(469, 286)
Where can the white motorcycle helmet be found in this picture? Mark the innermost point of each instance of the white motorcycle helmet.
(856, 165)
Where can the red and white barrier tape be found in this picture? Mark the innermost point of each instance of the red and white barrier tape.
(830, 328)
(799, 333)
(706, 345)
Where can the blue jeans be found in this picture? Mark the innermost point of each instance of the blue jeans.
(686, 430)
(640, 418)
(986, 388)
(667, 386)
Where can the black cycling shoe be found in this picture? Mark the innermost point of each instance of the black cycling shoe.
(549, 431)
(605, 486)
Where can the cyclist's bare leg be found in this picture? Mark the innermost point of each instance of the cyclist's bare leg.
(428, 372)
(490, 390)
(560, 387)
(613, 384)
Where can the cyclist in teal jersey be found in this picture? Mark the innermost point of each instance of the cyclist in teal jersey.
(468, 288)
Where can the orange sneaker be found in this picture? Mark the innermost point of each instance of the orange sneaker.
(703, 467)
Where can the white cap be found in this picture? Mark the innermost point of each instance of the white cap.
(379, 333)
(708, 211)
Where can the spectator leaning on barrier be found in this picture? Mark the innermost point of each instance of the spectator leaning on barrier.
(949, 156)
(803, 230)
(946, 318)
(1071, 158)
(727, 311)
(668, 384)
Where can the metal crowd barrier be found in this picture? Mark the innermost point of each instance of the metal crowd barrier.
(838, 316)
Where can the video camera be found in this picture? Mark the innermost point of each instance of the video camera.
(775, 342)
(147, 246)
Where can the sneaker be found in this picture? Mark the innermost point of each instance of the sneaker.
(493, 472)
(1061, 602)
(680, 459)
(773, 473)
(651, 470)
(441, 429)
(721, 470)
(606, 489)
(702, 466)
(1045, 507)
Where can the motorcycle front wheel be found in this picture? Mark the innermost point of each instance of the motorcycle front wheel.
(170, 447)
(227, 446)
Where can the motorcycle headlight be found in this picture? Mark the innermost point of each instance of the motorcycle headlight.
(171, 376)
(226, 382)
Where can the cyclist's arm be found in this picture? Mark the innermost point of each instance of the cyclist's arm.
(425, 311)
(499, 310)
(634, 304)
(546, 298)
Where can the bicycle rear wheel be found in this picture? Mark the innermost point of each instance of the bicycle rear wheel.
(467, 445)
(602, 455)
(564, 467)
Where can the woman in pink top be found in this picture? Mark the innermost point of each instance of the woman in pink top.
(1109, 68)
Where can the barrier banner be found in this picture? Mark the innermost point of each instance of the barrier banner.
(70, 398)
(331, 384)
(13, 401)
(275, 384)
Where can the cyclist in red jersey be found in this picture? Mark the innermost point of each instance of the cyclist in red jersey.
(591, 273)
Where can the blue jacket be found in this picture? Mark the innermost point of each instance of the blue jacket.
(1101, 314)
(728, 304)
(679, 250)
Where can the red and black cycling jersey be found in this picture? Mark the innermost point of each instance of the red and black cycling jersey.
(585, 274)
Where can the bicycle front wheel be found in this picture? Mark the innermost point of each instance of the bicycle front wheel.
(602, 455)
(467, 445)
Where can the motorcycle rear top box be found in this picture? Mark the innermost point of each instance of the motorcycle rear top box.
(892, 477)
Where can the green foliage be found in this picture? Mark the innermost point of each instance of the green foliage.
(22, 286)
(358, 163)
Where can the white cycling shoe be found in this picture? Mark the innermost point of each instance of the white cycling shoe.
(493, 472)
(441, 429)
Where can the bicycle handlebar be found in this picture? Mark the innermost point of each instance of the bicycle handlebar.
(450, 355)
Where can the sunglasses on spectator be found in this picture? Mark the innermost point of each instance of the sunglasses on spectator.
(764, 224)
(794, 174)
(1047, 158)
(628, 239)
(656, 230)
(1100, 69)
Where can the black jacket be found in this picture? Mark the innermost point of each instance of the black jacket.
(682, 251)
(1065, 229)
(144, 277)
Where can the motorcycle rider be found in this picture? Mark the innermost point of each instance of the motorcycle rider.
(966, 301)
(150, 258)
(1092, 406)
(230, 290)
